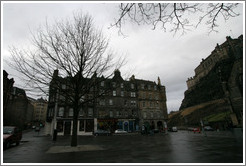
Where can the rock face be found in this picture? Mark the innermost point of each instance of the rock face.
(216, 89)
(209, 87)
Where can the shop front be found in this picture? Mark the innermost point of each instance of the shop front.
(65, 126)
(107, 124)
(128, 125)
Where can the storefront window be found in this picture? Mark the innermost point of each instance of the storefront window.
(59, 126)
(81, 125)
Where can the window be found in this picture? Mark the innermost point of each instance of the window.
(59, 126)
(81, 112)
(144, 95)
(114, 93)
(114, 84)
(126, 113)
(117, 114)
(156, 97)
(149, 87)
(102, 83)
(122, 85)
(151, 105)
(122, 93)
(102, 92)
(133, 94)
(150, 96)
(143, 103)
(157, 104)
(82, 99)
(62, 98)
(81, 125)
(90, 112)
(61, 111)
(102, 102)
(155, 87)
(110, 102)
(125, 102)
(151, 115)
(144, 115)
(142, 86)
(110, 114)
(63, 86)
(70, 113)
(132, 86)
(133, 103)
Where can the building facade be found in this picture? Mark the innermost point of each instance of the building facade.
(120, 106)
(20, 110)
(40, 110)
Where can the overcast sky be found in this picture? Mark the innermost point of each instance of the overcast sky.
(150, 53)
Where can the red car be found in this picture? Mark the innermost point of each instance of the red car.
(11, 134)
(196, 130)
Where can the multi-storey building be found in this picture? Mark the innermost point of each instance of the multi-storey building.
(152, 104)
(40, 110)
(119, 107)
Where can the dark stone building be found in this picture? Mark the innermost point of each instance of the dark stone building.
(118, 106)
(17, 109)
(219, 80)
(7, 89)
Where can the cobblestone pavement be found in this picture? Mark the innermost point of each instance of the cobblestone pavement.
(174, 147)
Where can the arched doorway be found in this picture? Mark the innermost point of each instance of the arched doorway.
(160, 125)
(126, 126)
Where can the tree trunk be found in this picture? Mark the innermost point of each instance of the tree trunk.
(75, 127)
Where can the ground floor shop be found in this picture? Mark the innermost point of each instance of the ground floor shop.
(150, 124)
(87, 126)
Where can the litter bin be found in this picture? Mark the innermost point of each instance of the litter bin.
(54, 135)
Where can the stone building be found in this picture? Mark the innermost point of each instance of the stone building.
(7, 89)
(152, 104)
(231, 47)
(20, 110)
(40, 109)
(219, 77)
(118, 107)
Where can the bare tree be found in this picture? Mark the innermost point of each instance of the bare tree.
(175, 16)
(77, 50)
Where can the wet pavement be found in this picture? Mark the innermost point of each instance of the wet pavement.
(173, 147)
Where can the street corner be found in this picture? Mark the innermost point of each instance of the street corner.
(79, 148)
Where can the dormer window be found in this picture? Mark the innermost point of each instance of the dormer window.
(132, 86)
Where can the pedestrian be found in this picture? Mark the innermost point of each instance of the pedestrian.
(143, 129)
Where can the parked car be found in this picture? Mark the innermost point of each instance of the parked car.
(208, 128)
(173, 129)
(37, 128)
(11, 134)
(120, 131)
(101, 132)
(156, 130)
(196, 130)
